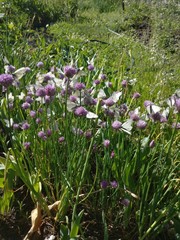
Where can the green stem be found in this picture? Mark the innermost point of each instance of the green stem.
(81, 180)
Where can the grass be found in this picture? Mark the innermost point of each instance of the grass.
(55, 121)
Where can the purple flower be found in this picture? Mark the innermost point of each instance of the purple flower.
(109, 113)
(28, 69)
(97, 81)
(136, 95)
(69, 71)
(102, 76)
(50, 90)
(124, 83)
(116, 125)
(48, 132)
(25, 126)
(11, 69)
(125, 202)
(109, 84)
(73, 98)
(32, 113)
(15, 126)
(61, 139)
(41, 92)
(104, 184)
(109, 102)
(133, 116)
(114, 184)
(40, 110)
(40, 64)
(141, 124)
(6, 80)
(177, 104)
(106, 143)
(90, 67)
(176, 125)
(80, 111)
(88, 134)
(25, 105)
(79, 86)
(29, 99)
(48, 99)
(42, 135)
(38, 120)
(163, 119)
(148, 103)
(123, 109)
(47, 77)
(112, 154)
(152, 144)
(27, 145)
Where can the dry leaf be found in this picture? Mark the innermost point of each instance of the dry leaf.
(36, 220)
(54, 206)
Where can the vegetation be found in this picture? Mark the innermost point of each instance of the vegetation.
(90, 107)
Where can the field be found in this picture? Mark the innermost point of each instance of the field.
(89, 120)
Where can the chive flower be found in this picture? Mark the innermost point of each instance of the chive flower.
(6, 80)
(25, 105)
(104, 184)
(125, 202)
(32, 113)
(97, 82)
(42, 135)
(79, 86)
(40, 64)
(116, 125)
(41, 92)
(106, 143)
(50, 90)
(124, 83)
(102, 76)
(152, 144)
(114, 184)
(134, 116)
(25, 126)
(136, 95)
(69, 71)
(61, 139)
(177, 104)
(90, 67)
(80, 111)
(109, 102)
(27, 145)
(141, 124)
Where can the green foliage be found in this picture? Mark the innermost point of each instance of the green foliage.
(117, 44)
(106, 5)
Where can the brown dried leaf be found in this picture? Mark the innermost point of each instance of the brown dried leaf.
(54, 206)
(36, 220)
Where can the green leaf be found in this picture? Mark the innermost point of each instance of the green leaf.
(75, 225)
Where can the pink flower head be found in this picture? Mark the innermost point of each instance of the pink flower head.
(116, 125)
(80, 111)
(69, 71)
(106, 143)
(6, 80)
(141, 124)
